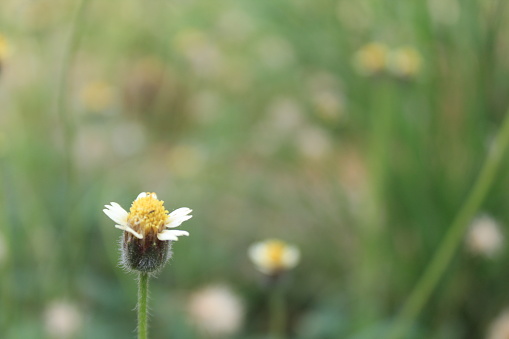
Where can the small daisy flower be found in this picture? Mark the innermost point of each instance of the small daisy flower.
(274, 256)
(146, 244)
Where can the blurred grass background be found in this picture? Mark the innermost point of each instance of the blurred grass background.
(354, 129)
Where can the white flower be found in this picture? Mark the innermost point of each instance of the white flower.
(273, 256)
(484, 237)
(216, 310)
(499, 329)
(62, 320)
(147, 217)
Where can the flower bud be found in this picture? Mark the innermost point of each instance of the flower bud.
(145, 255)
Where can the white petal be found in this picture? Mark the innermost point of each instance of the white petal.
(180, 212)
(130, 230)
(171, 235)
(178, 222)
(141, 195)
(291, 257)
(178, 216)
(116, 213)
(257, 254)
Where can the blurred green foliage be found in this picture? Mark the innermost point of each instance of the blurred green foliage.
(269, 118)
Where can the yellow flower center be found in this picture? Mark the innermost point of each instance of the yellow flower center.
(275, 252)
(4, 48)
(147, 215)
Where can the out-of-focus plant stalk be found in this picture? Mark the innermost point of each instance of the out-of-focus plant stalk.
(67, 126)
(65, 117)
(142, 305)
(277, 313)
(445, 252)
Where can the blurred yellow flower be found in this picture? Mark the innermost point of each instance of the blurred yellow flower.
(405, 62)
(4, 48)
(371, 59)
(274, 256)
(96, 96)
(326, 96)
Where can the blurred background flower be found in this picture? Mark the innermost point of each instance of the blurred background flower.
(485, 237)
(499, 329)
(216, 311)
(274, 256)
(62, 320)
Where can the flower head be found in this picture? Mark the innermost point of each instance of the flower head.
(97, 96)
(147, 237)
(4, 50)
(484, 237)
(62, 319)
(274, 256)
(499, 329)
(371, 59)
(405, 62)
(4, 47)
(216, 310)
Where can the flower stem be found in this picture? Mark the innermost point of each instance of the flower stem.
(142, 305)
(445, 252)
(277, 313)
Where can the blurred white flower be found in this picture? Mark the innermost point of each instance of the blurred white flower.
(404, 62)
(128, 138)
(313, 143)
(235, 25)
(284, 116)
(326, 96)
(275, 52)
(203, 55)
(62, 319)
(216, 310)
(485, 237)
(445, 12)
(274, 256)
(499, 328)
(90, 148)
